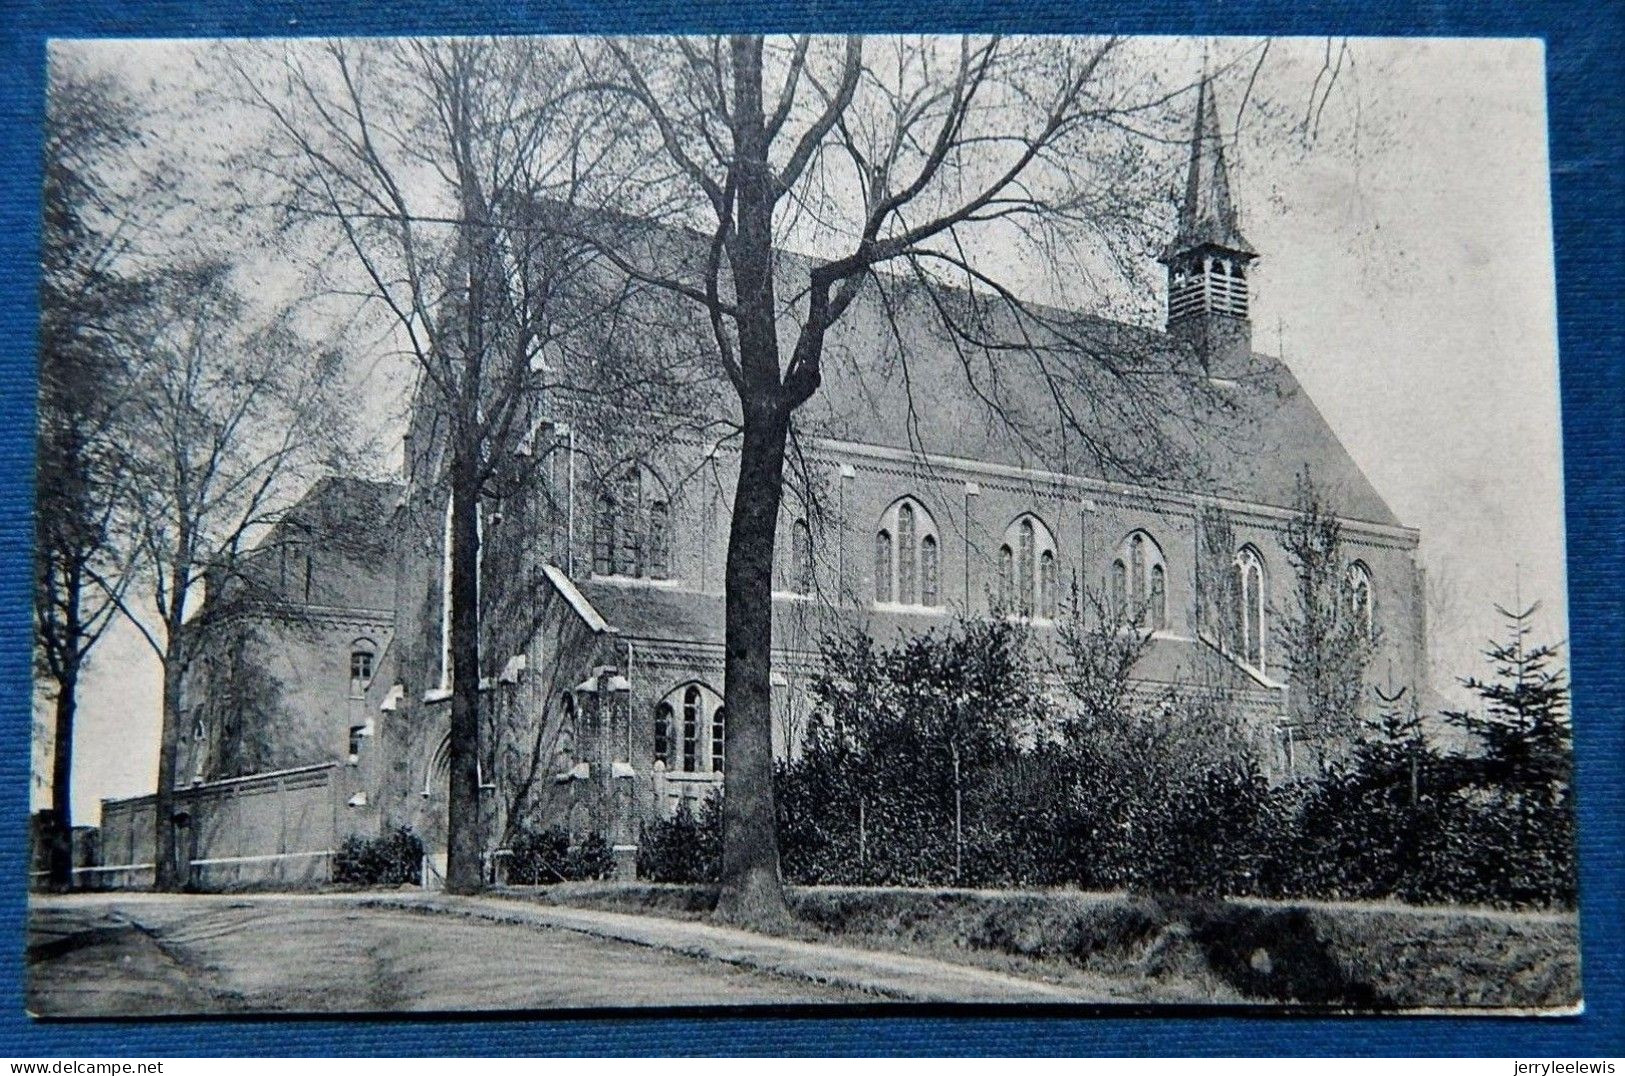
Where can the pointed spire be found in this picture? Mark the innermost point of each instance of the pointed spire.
(1207, 217)
(1208, 260)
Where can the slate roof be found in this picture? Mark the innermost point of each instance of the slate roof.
(341, 506)
(1086, 395)
(1246, 438)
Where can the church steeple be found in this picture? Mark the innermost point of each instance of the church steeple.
(1208, 258)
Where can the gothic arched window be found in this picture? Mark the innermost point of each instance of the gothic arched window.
(631, 533)
(930, 571)
(688, 720)
(1157, 597)
(1136, 569)
(797, 578)
(719, 732)
(1119, 584)
(603, 535)
(691, 728)
(1250, 616)
(1027, 569)
(908, 571)
(659, 540)
(1139, 581)
(1025, 562)
(1358, 591)
(1046, 585)
(883, 559)
(907, 561)
(663, 718)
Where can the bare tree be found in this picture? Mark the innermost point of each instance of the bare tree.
(227, 422)
(530, 738)
(91, 211)
(447, 174)
(1327, 637)
(901, 163)
(1102, 642)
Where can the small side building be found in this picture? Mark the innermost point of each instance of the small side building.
(278, 701)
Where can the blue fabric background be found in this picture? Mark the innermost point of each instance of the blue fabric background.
(1584, 45)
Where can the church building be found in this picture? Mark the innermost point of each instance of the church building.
(602, 584)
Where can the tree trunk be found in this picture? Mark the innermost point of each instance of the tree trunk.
(752, 893)
(165, 876)
(959, 822)
(464, 872)
(61, 837)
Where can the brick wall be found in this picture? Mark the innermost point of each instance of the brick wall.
(271, 828)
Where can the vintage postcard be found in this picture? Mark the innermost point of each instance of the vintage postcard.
(534, 524)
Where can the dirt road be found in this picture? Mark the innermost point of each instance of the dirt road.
(146, 955)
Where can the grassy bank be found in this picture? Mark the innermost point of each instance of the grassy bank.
(1361, 956)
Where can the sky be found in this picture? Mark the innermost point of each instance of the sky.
(1411, 292)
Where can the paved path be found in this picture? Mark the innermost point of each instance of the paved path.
(880, 974)
(150, 956)
(155, 954)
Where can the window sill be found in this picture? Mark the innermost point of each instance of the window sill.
(1029, 621)
(437, 694)
(692, 776)
(915, 610)
(637, 581)
(1153, 633)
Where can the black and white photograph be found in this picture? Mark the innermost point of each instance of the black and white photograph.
(554, 524)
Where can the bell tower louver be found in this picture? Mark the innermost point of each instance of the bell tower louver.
(1208, 260)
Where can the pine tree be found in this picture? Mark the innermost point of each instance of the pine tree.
(1527, 767)
(1524, 723)
(1395, 744)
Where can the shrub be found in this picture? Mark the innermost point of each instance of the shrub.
(1399, 820)
(885, 790)
(939, 762)
(1208, 835)
(1124, 792)
(590, 861)
(394, 858)
(543, 857)
(683, 848)
(538, 857)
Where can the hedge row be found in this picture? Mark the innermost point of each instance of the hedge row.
(395, 858)
(940, 763)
